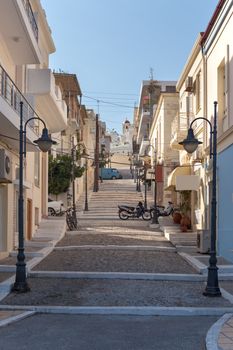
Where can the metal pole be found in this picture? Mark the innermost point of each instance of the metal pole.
(20, 284)
(212, 287)
(86, 199)
(96, 172)
(155, 212)
(73, 183)
(102, 162)
(145, 187)
(139, 181)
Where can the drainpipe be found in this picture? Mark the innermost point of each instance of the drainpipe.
(205, 126)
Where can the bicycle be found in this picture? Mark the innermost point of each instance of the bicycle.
(71, 219)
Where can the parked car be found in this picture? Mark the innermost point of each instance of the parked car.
(109, 174)
(55, 207)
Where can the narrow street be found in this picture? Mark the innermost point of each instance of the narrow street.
(118, 272)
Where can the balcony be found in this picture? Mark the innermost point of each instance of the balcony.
(10, 98)
(73, 121)
(19, 29)
(179, 129)
(144, 143)
(144, 121)
(48, 98)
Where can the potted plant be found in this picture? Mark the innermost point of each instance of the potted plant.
(185, 209)
(176, 217)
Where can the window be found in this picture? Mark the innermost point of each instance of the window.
(37, 169)
(198, 92)
(222, 111)
(170, 88)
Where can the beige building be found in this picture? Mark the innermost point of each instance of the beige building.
(69, 139)
(25, 46)
(217, 48)
(161, 152)
(206, 78)
(187, 176)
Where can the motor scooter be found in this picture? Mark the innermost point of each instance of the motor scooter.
(125, 212)
(162, 211)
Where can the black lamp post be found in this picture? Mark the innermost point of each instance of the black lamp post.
(44, 143)
(145, 186)
(73, 187)
(190, 144)
(102, 162)
(155, 213)
(85, 155)
(137, 179)
(137, 164)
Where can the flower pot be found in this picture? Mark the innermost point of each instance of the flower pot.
(176, 217)
(184, 228)
(185, 223)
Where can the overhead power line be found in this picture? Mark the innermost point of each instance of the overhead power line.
(109, 93)
(107, 102)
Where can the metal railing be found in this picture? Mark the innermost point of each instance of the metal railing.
(180, 124)
(31, 17)
(12, 95)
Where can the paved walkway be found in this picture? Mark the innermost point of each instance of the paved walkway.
(117, 266)
(50, 231)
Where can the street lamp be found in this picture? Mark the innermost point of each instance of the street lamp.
(102, 161)
(155, 212)
(73, 188)
(44, 143)
(85, 156)
(137, 165)
(190, 144)
(137, 179)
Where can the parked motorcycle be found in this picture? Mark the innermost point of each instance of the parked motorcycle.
(125, 212)
(162, 211)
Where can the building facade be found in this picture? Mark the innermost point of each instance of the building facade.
(25, 46)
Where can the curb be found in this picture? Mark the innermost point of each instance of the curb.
(117, 247)
(118, 275)
(16, 318)
(213, 333)
(122, 310)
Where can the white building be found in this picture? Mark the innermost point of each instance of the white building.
(25, 46)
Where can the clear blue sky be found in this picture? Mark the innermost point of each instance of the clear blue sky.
(112, 44)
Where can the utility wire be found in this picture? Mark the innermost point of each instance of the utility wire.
(110, 93)
(106, 102)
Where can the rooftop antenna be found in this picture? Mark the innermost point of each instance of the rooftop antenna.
(151, 74)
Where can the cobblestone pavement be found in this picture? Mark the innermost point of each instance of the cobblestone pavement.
(115, 261)
(95, 292)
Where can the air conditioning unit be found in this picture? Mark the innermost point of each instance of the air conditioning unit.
(189, 84)
(203, 241)
(5, 167)
(198, 156)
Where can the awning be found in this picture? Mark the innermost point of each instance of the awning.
(180, 170)
(181, 180)
(187, 183)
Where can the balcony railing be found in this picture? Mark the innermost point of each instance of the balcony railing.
(11, 94)
(180, 124)
(31, 17)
